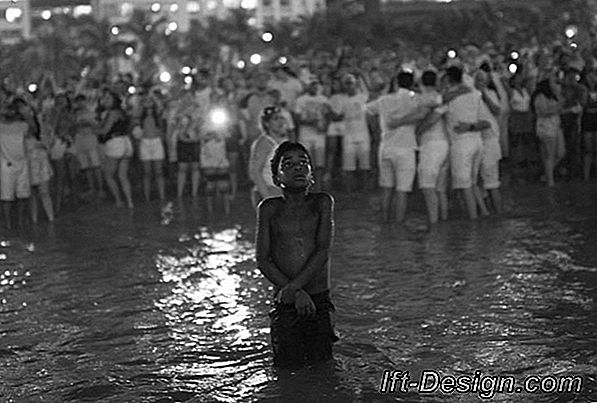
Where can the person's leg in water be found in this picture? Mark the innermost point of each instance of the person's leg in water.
(548, 151)
(59, 167)
(147, 180)
(43, 191)
(590, 153)
(33, 207)
(110, 168)
(432, 204)
(233, 158)
(387, 198)
(470, 202)
(158, 171)
(195, 179)
(72, 170)
(183, 167)
(478, 192)
(22, 207)
(7, 209)
(123, 177)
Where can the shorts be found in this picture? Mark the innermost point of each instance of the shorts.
(119, 147)
(87, 151)
(315, 144)
(433, 165)
(397, 168)
(40, 169)
(353, 152)
(14, 180)
(216, 179)
(188, 152)
(151, 149)
(297, 340)
(465, 162)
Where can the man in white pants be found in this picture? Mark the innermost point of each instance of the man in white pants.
(397, 147)
(465, 120)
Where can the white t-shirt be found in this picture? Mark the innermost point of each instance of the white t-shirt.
(213, 152)
(289, 90)
(12, 141)
(311, 107)
(397, 104)
(355, 117)
(438, 131)
(465, 108)
(520, 101)
(336, 128)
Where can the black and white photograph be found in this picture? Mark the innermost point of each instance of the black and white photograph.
(296, 201)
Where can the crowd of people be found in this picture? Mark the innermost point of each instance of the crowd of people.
(451, 120)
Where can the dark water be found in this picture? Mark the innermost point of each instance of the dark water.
(117, 307)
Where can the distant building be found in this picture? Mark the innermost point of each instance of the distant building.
(179, 12)
(273, 11)
(15, 21)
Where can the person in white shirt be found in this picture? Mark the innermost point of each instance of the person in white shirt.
(492, 152)
(274, 131)
(465, 120)
(356, 144)
(432, 171)
(397, 146)
(14, 170)
(335, 130)
(289, 86)
(312, 110)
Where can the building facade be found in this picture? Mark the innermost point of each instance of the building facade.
(273, 11)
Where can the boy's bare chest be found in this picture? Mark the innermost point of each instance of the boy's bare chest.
(295, 222)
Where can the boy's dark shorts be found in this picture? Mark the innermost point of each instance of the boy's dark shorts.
(298, 340)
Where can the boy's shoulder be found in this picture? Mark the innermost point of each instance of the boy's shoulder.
(270, 204)
(322, 198)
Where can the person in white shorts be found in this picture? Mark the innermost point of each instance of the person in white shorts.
(356, 144)
(14, 170)
(117, 148)
(86, 145)
(397, 146)
(335, 131)
(492, 151)
(465, 121)
(432, 171)
(312, 110)
(151, 130)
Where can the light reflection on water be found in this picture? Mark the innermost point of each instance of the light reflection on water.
(108, 307)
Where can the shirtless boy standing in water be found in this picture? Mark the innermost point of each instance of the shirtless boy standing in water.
(294, 236)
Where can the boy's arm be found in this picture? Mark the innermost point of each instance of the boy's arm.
(265, 264)
(318, 259)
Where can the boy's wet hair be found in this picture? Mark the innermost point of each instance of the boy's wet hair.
(279, 153)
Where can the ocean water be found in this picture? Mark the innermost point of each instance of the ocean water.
(109, 305)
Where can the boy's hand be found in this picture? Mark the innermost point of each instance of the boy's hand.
(287, 294)
(304, 304)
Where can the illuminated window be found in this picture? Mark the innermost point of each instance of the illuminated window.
(193, 7)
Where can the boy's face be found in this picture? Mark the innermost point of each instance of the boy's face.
(295, 170)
